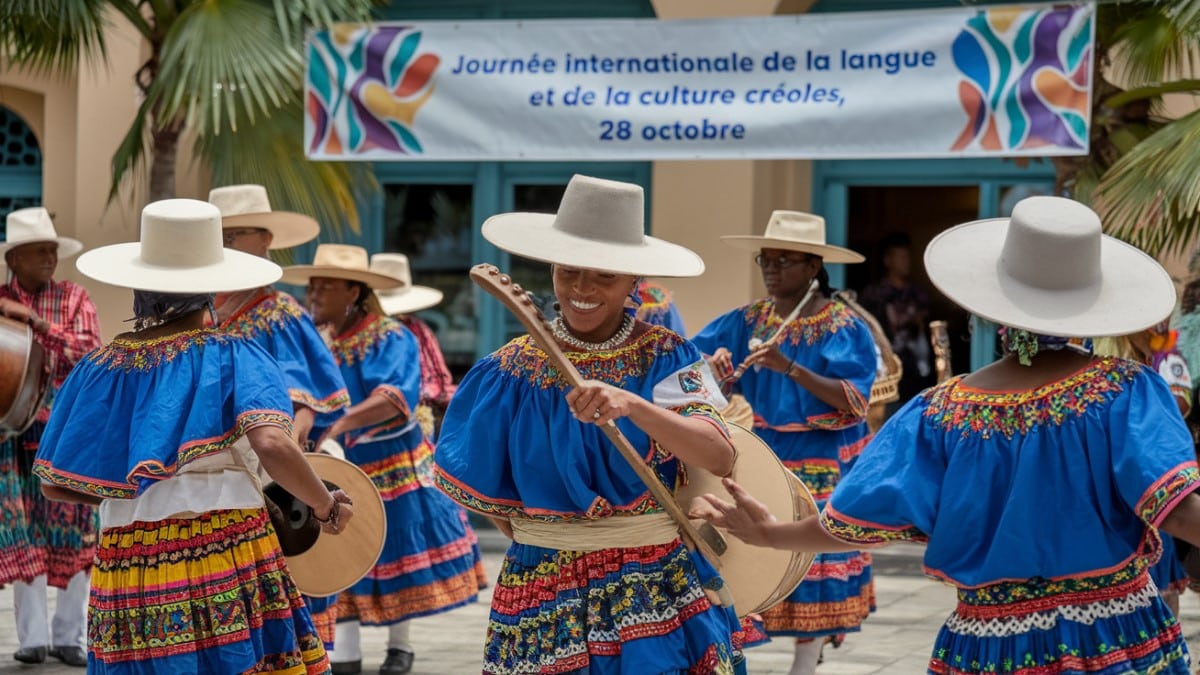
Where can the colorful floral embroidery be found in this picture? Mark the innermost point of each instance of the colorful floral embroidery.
(952, 405)
(1166, 491)
(820, 476)
(488, 506)
(131, 353)
(271, 311)
(998, 599)
(523, 358)
(861, 532)
(335, 401)
(353, 346)
(832, 318)
(656, 302)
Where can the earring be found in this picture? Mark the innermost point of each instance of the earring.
(348, 309)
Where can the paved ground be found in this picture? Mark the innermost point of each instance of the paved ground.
(897, 639)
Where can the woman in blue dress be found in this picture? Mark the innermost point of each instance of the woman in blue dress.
(597, 580)
(1038, 483)
(166, 428)
(429, 563)
(809, 393)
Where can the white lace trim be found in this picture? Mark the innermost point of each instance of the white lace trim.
(1086, 614)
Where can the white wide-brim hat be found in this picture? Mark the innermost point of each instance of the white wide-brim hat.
(340, 261)
(248, 206)
(600, 226)
(34, 226)
(407, 298)
(180, 251)
(1050, 270)
(795, 231)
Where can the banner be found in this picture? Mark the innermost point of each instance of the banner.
(969, 82)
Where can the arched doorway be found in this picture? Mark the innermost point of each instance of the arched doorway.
(20, 166)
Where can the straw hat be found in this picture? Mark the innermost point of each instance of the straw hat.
(33, 225)
(333, 563)
(599, 225)
(795, 231)
(180, 252)
(340, 261)
(1048, 269)
(248, 206)
(407, 298)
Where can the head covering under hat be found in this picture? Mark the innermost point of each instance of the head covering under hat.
(340, 261)
(180, 251)
(406, 298)
(795, 231)
(34, 226)
(248, 206)
(600, 225)
(1050, 270)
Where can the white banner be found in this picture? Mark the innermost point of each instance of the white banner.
(1001, 81)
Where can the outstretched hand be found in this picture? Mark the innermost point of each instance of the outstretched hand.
(746, 518)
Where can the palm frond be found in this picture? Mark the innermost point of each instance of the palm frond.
(296, 16)
(52, 36)
(1150, 197)
(270, 152)
(133, 152)
(1159, 43)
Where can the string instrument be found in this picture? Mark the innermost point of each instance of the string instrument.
(756, 578)
(939, 338)
(24, 377)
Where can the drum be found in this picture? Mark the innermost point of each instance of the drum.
(24, 377)
(739, 412)
(758, 578)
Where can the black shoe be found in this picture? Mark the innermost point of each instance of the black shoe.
(30, 654)
(346, 667)
(398, 662)
(72, 656)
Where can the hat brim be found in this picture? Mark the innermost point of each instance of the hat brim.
(1133, 293)
(336, 562)
(122, 265)
(827, 252)
(533, 236)
(287, 229)
(67, 246)
(407, 301)
(300, 275)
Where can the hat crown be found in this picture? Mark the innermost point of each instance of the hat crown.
(1052, 244)
(602, 210)
(240, 200)
(32, 224)
(345, 256)
(796, 226)
(394, 265)
(181, 233)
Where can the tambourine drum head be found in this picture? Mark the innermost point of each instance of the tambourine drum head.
(23, 377)
(757, 577)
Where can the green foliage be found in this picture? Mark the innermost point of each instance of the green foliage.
(52, 35)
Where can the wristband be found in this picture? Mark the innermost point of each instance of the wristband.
(332, 518)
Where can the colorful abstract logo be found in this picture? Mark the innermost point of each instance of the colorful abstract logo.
(364, 88)
(1027, 76)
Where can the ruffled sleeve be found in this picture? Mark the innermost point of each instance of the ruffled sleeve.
(136, 412)
(309, 369)
(892, 494)
(390, 367)
(849, 356)
(1154, 464)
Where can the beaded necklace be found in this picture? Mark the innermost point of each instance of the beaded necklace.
(562, 334)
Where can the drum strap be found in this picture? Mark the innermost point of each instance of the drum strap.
(593, 535)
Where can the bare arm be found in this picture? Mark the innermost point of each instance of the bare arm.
(1183, 522)
(372, 410)
(693, 440)
(62, 494)
(282, 458)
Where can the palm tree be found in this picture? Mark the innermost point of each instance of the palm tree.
(230, 71)
(1142, 174)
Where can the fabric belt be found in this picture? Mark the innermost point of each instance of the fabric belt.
(594, 535)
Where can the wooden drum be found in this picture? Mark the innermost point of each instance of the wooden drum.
(24, 376)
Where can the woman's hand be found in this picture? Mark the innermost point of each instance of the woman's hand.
(337, 514)
(302, 423)
(769, 357)
(746, 518)
(598, 403)
(721, 363)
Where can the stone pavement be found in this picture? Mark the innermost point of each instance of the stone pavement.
(896, 639)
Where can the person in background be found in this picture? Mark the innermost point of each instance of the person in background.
(165, 428)
(429, 562)
(1038, 483)
(809, 391)
(902, 309)
(281, 326)
(654, 305)
(46, 543)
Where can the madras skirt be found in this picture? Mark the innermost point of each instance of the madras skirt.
(1110, 624)
(210, 594)
(37, 535)
(627, 611)
(430, 561)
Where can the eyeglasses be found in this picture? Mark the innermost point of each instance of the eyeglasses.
(782, 262)
(231, 235)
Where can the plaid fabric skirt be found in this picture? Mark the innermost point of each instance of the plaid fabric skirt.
(210, 594)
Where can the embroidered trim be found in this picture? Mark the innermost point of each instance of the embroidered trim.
(353, 345)
(1176, 484)
(502, 508)
(335, 401)
(763, 320)
(136, 354)
(855, 531)
(523, 358)
(264, 315)
(952, 405)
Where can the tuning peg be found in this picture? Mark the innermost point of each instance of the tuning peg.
(517, 290)
(505, 279)
(491, 269)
